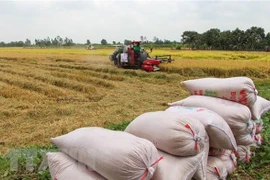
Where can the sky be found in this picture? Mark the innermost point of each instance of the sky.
(117, 20)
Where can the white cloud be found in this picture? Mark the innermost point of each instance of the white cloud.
(119, 20)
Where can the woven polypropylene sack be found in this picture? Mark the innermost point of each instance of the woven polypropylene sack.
(218, 130)
(228, 158)
(237, 116)
(244, 137)
(64, 167)
(260, 107)
(176, 168)
(258, 138)
(238, 89)
(244, 154)
(259, 125)
(200, 173)
(216, 170)
(113, 154)
(180, 136)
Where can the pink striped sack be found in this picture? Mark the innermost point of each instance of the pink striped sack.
(238, 89)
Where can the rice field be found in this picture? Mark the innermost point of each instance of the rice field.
(43, 95)
(49, 92)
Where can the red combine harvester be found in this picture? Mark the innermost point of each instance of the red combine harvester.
(135, 57)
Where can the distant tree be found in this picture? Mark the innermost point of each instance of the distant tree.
(2, 44)
(47, 42)
(166, 41)
(104, 42)
(237, 37)
(190, 38)
(39, 42)
(225, 40)
(27, 42)
(157, 40)
(114, 42)
(19, 44)
(36, 42)
(68, 42)
(145, 39)
(88, 42)
(267, 39)
(254, 38)
(211, 38)
(60, 40)
(54, 42)
(127, 42)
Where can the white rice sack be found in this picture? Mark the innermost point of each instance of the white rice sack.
(218, 130)
(258, 139)
(216, 170)
(236, 115)
(261, 107)
(259, 125)
(177, 168)
(228, 158)
(200, 174)
(115, 155)
(63, 167)
(244, 154)
(180, 136)
(239, 89)
(244, 137)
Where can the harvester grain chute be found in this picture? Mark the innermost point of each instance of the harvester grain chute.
(135, 57)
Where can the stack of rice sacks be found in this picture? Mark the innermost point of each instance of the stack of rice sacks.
(181, 140)
(236, 100)
(199, 137)
(183, 136)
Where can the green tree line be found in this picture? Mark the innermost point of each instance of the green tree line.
(252, 39)
(47, 42)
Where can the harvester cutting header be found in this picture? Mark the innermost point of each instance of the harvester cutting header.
(135, 57)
